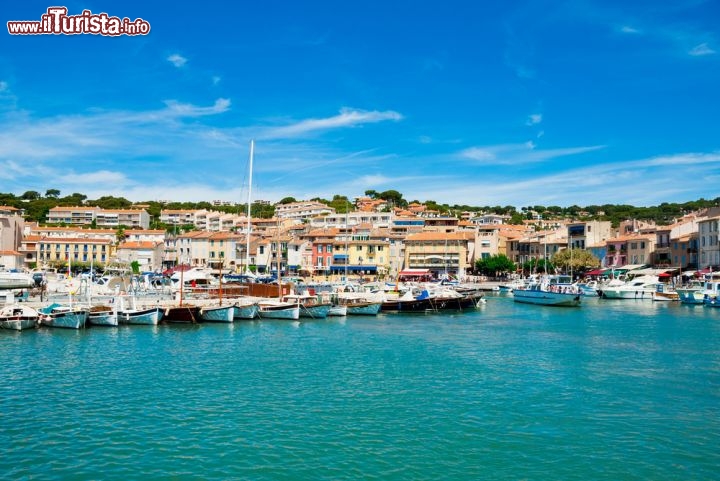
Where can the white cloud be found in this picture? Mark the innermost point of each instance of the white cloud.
(188, 110)
(346, 118)
(512, 154)
(3, 86)
(700, 50)
(216, 79)
(102, 177)
(534, 119)
(629, 29)
(177, 60)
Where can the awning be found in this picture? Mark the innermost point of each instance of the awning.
(340, 256)
(415, 272)
(342, 268)
(595, 272)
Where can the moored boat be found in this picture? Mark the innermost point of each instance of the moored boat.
(182, 313)
(276, 309)
(129, 313)
(245, 310)
(550, 290)
(100, 315)
(309, 305)
(58, 315)
(338, 310)
(640, 287)
(18, 317)
(218, 313)
(692, 293)
(15, 280)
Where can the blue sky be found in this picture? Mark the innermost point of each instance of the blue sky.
(467, 102)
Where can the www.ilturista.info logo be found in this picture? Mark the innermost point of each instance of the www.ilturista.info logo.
(57, 22)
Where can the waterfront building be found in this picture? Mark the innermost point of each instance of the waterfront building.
(582, 234)
(210, 249)
(12, 225)
(58, 251)
(708, 245)
(440, 252)
(684, 251)
(148, 254)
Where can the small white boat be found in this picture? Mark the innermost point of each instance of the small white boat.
(360, 307)
(131, 314)
(309, 305)
(711, 294)
(640, 287)
(19, 317)
(245, 310)
(549, 290)
(276, 309)
(16, 280)
(692, 293)
(101, 315)
(57, 315)
(337, 310)
(218, 313)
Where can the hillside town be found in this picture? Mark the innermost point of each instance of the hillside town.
(309, 239)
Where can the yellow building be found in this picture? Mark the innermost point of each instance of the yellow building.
(60, 250)
(440, 252)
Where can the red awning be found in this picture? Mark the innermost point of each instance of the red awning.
(595, 272)
(415, 272)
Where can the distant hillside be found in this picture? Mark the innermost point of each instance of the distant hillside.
(37, 206)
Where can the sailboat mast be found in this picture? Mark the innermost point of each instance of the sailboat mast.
(249, 218)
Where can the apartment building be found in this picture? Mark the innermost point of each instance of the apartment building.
(108, 218)
(302, 210)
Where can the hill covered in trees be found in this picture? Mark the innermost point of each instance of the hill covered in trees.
(37, 206)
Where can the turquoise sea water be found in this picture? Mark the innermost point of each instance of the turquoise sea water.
(613, 390)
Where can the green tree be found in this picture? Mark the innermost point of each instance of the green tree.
(135, 266)
(575, 259)
(287, 200)
(53, 193)
(30, 195)
(393, 196)
(493, 265)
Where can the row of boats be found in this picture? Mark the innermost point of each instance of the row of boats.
(560, 290)
(128, 309)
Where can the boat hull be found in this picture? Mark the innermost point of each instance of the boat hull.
(75, 319)
(545, 298)
(364, 309)
(337, 310)
(218, 314)
(628, 294)
(318, 311)
(145, 317)
(248, 311)
(186, 314)
(279, 312)
(103, 318)
(19, 318)
(691, 296)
